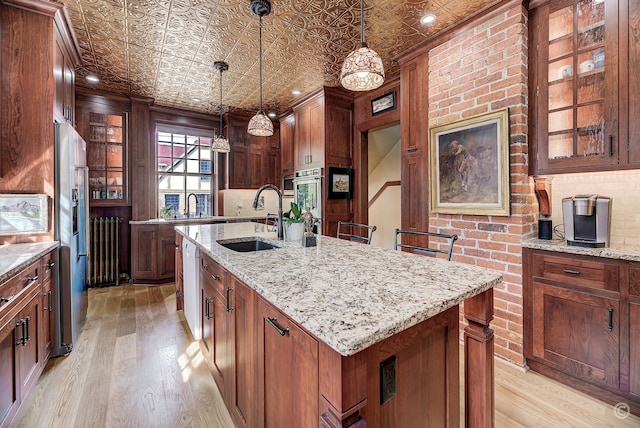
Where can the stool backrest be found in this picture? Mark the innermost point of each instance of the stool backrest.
(438, 243)
(356, 232)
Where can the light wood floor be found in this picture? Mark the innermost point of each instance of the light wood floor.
(134, 365)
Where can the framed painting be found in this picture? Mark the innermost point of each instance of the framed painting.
(20, 214)
(383, 103)
(340, 183)
(469, 166)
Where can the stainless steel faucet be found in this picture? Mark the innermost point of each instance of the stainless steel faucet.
(188, 196)
(255, 206)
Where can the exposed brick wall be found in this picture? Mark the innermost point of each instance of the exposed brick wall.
(481, 70)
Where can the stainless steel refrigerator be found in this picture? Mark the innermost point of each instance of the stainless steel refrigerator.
(71, 223)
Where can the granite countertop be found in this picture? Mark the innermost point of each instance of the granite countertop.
(621, 252)
(15, 257)
(349, 295)
(206, 219)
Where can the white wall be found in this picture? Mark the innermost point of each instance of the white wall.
(622, 186)
(385, 211)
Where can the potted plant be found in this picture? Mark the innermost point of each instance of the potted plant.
(293, 223)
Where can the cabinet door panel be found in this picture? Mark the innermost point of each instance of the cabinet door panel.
(9, 393)
(29, 354)
(290, 372)
(634, 351)
(144, 252)
(634, 82)
(576, 333)
(243, 389)
(166, 251)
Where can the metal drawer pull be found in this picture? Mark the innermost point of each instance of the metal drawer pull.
(571, 271)
(215, 277)
(273, 323)
(610, 319)
(22, 341)
(207, 310)
(50, 265)
(229, 290)
(6, 299)
(30, 279)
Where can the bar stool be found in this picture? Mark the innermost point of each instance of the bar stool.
(355, 231)
(433, 249)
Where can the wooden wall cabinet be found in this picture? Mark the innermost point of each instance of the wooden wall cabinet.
(287, 139)
(579, 313)
(309, 133)
(254, 161)
(582, 74)
(63, 75)
(107, 159)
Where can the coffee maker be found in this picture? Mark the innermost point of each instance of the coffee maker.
(587, 220)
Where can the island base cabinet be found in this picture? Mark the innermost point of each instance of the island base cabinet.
(287, 371)
(634, 352)
(9, 391)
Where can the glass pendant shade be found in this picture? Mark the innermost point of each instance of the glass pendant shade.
(220, 144)
(362, 70)
(260, 125)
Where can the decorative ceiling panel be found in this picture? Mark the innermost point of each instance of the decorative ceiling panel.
(165, 49)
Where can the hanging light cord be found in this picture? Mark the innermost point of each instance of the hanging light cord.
(221, 136)
(260, 64)
(362, 22)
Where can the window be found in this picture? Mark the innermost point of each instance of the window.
(184, 166)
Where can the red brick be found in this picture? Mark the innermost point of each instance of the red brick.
(492, 97)
(494, 246)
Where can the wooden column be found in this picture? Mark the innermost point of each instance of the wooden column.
(478, 361)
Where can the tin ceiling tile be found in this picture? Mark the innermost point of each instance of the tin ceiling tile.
(165, 49)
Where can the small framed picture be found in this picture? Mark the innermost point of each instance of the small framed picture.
(340, 183)
(20, 214)
(383, 103)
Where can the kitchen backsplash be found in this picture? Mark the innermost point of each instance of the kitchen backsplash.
(238, 202)
(622, 186)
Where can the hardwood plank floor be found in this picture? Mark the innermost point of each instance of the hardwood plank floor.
(135, 365)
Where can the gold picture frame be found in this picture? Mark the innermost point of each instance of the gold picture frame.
(469, 166)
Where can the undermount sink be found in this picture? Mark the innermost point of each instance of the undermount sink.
(247, 245)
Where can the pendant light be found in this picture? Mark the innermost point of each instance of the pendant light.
(219, 143)
(260, 125)
(362, 69)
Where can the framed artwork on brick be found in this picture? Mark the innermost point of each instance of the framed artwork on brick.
(469, 166)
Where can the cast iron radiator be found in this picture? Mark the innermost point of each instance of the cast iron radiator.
(103, 264)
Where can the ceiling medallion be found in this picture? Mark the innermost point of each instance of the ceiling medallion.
(260, 125)
(219, 143)
(362, 69)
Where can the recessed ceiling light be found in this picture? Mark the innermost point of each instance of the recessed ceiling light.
(272, 114)
(295, 92)
(428, 18)
(92, 79)
(197, 100)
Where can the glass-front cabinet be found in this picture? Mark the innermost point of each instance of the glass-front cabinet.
(574, 82)
(106, 153)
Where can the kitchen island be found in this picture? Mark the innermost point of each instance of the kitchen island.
(374, 333)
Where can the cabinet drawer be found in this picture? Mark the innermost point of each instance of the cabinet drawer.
(48, 265)
(213, 273)
(10, 289)
(581, 271)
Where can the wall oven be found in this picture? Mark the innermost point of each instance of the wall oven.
(308, 193)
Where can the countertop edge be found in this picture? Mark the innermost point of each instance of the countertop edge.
(629, 253)
(41, 249)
